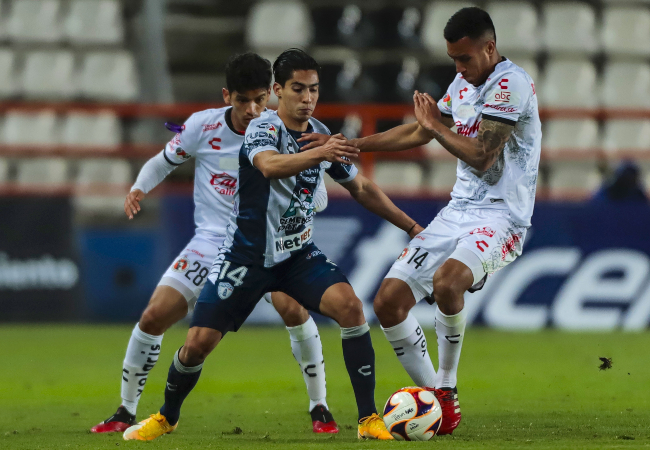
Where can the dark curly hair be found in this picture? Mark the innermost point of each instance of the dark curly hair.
(247, 72)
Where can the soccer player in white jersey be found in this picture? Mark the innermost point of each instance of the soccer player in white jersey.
(213, 137)
(493, 105)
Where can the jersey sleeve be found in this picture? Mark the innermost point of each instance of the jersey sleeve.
(444, 104)
(260, 137)
(185, 144)
(320, 196)
(342, 173)
(506, 98)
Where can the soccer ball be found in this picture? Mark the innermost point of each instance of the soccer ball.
(413, 414)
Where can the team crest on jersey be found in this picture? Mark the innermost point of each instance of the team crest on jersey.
(404, 253)
(181, 264)
(224, 290)
(301, 200)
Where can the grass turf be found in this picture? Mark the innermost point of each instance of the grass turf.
(517, 390)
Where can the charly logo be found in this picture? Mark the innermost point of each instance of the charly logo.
(224, 290)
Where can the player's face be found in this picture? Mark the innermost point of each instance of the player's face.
(299, 94)
(246, 106)
(472, 58)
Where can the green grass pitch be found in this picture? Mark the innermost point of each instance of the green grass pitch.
(517, 390)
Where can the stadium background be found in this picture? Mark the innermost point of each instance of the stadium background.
(85, 88)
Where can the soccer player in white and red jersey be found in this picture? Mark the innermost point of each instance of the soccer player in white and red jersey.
(493, 105)
(214, 138)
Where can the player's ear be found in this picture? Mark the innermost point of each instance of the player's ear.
(277, 90)
(226, 96)
(490, 47)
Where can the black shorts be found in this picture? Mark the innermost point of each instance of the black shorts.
(224, 305)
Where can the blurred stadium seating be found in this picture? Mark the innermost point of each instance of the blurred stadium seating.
(73, 76)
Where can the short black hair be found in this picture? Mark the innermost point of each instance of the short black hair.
(291, 60)
(472, 22)
(247, 72)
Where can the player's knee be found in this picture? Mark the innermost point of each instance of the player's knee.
(195, 351)
(293, 314)
(390, 308)
(448, 293)
(153, 321)
(350, 312)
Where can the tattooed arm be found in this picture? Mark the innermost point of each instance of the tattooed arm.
(479, 152)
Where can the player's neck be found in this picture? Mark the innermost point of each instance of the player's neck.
(290, 122)
(237, 125)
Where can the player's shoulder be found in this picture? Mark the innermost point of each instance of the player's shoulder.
(267, 121)
(263, 131)
(508, 75)
(208, 119)
(319, 127)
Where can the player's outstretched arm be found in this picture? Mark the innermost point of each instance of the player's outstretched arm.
(374, 200)
(479, 152)
(151, 175)
(275, 165)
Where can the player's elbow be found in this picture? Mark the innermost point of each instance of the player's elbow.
(268, 171)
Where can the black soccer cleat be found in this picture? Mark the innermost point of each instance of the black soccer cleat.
(322, 420)
(118, 422)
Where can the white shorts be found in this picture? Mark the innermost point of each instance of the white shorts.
(485, 240)
(188, 272)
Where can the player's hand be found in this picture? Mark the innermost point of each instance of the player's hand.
(417, 229)
(315, 140)
(338, 149)
(426, 110)
(132, 203)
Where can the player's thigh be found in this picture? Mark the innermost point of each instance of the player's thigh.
(490, 243)
(293, 313)
(166, 307)
(189, 271)
(230, 295)
(426, 252)
(310, 276)
(340, 303)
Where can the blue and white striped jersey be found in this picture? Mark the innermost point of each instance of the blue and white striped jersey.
(271, 219)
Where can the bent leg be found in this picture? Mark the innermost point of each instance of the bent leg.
(185, 370)
(392, 305)
(341, 304)
(450, 282)
(166, 307)
(306, 346)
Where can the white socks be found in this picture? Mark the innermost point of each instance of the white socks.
(141, 355)
(410, 345)
(308, 351)
(450, 331)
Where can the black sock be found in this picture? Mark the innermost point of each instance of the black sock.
(180, 382)
(359, 359)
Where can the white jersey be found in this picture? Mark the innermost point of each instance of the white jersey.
(508, 96)
(209, 137)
